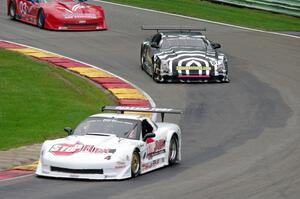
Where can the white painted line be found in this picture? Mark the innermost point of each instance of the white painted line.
(203, 20)
(154, 116)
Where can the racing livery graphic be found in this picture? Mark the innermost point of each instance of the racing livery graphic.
(182, 54)
(70, 149)
(113, 146)
(58, 14)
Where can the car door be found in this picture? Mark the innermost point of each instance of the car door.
(28, 10)
(154, 155)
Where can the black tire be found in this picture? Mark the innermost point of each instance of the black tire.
(156, 77)
(142, 60)
(12, 10)
(173, 150)
(135, 164)
(41, 19)
(227, 80)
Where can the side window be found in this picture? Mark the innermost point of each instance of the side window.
(156, 38)
(146, 128)
(135, 133)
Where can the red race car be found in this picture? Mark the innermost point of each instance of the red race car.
(58, 14)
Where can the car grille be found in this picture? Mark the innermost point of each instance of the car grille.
(79, 24)
(78, 171)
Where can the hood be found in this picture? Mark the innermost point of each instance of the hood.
(188, 61)
(182, 53)
(74, 7)
(87, 145)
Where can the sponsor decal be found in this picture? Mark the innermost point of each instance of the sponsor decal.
(155, 147)
(193, 68)
(62, 28)
(107, 157)
(80, 15)
(76, 7)
(153, 163)
(120, 166)
(70, 149)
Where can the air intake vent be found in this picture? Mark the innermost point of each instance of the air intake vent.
(78, 24)
(78, 171)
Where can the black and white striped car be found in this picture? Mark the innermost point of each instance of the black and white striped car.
(184, 55)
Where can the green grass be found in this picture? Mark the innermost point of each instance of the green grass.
(221, 13)
(37, 100)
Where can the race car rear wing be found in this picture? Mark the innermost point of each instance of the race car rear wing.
(122, 109)
(166, 28)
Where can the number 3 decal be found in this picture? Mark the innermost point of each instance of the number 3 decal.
(23, 7)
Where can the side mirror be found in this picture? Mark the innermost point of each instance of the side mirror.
(69, 130)
(215, 45)
(148, 135)
(154, 45)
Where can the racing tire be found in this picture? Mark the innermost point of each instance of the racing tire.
(226, 79)
(142, 60)
(173, 150)
(41, 19)
(135, 164)
(12, 10)
(156, 77)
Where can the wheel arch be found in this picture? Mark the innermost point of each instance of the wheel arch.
(170, 135)
(136, 149)
(8, 5)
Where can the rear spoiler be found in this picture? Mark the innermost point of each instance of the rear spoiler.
(122, 109)
(166, 28)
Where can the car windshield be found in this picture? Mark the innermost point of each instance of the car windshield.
(124, 128)
(184, 43)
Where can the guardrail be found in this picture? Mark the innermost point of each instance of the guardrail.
(289, 7)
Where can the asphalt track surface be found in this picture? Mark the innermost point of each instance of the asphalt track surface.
(240, 140)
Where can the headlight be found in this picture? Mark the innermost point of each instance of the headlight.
(219, 65)
(164, 66)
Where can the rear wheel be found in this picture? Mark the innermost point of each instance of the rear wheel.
(142, 59)
(12, 10)
(173, 150)
(41, 19)
(135, 164)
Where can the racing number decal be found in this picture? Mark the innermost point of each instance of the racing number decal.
(23, 7)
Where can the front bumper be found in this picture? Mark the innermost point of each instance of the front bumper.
(194, 78)
(78, 24)
(111, 171)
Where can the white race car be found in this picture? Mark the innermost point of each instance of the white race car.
(113, 146)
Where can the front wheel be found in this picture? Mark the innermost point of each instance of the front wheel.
(135, 164)
(156, 76)
(12, 10)
(41, 19)
(173, 150)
